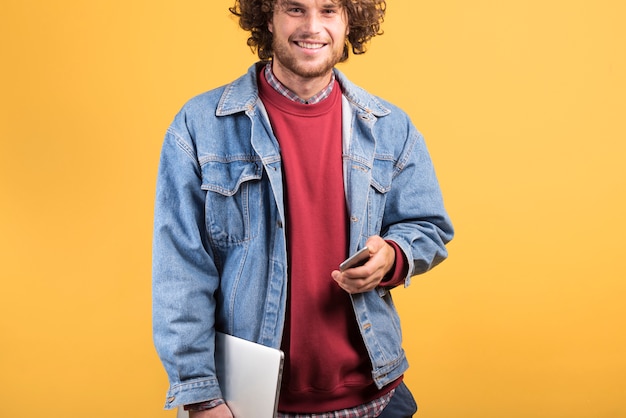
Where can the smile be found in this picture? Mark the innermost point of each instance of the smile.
(310, 45)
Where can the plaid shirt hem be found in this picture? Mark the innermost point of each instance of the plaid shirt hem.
(368, 410)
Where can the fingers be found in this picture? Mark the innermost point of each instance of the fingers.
(368, 276)
(357, 284)
(220, 411)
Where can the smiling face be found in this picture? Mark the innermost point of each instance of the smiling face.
(308, 39)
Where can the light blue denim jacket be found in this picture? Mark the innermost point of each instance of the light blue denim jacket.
(219, 250)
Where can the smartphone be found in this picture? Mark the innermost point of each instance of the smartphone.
(357, 259)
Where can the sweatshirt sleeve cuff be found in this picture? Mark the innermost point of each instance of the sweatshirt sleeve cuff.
(400, 269)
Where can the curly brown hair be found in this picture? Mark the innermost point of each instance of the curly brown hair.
(364, 20)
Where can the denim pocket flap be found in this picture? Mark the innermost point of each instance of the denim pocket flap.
(382, 174)
(225, 178)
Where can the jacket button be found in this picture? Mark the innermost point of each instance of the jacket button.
(171, 399)
(354, 218)
(279, 224)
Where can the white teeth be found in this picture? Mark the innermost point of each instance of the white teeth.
(308, 45)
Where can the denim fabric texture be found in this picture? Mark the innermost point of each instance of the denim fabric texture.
(219, 247)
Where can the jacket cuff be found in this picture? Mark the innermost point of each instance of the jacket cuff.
(192, 392)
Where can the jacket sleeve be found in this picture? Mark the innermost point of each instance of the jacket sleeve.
(414, 216)
(184, 276)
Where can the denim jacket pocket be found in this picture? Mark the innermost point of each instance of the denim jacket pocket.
(233, 199)
(380, 184)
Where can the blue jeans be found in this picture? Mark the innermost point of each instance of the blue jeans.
(401, 405)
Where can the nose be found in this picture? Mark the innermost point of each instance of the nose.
(312, 23)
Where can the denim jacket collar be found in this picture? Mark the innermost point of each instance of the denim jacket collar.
(242, 95)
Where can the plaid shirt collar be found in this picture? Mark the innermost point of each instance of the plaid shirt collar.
(280, 87)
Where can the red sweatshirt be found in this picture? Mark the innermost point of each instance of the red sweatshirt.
(327, 367)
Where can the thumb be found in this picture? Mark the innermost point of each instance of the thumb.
(375, 243)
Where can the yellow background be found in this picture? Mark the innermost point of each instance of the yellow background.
(522, 104)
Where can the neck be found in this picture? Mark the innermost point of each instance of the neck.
(305, 87)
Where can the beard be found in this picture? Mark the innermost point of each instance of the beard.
(305, 68)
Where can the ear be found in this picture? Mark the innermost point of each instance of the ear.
(270, 26)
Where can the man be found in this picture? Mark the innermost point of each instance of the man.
(265, 185)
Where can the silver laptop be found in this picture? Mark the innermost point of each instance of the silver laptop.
(249, 376)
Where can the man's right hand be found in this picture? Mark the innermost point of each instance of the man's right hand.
(220, 411)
